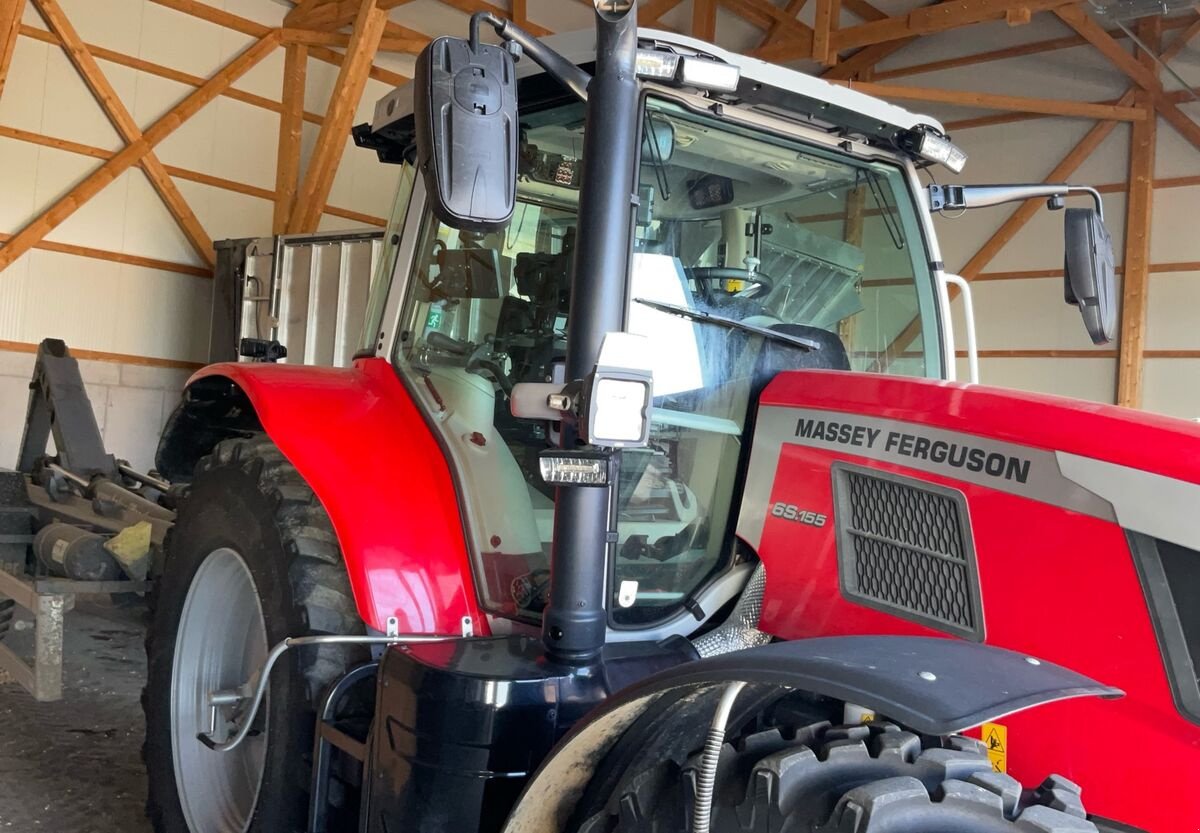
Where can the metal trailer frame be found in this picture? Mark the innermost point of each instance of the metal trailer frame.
(306, 291)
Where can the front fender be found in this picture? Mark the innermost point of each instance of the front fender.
(360, 443)
(934, 686)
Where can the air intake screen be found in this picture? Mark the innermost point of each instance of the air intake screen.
(904, 547)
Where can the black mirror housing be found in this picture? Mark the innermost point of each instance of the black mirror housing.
(1089, 280)
(465, 108)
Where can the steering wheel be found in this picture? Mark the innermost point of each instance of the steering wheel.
(480, 358)
(703, 274)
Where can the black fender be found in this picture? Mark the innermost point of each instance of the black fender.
(932, 685)
(212, 409)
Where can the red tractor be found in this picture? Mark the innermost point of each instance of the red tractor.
(650, 503)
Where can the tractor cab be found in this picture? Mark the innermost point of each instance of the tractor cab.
(763, 239)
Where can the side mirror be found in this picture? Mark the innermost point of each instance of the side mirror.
(465, 114)
(1090, 280)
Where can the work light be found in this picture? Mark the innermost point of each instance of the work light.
(937, 148)
(574, 468)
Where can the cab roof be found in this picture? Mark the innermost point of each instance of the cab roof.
(765, 86)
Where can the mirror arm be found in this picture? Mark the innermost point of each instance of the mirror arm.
(980, 196)
(562, 70)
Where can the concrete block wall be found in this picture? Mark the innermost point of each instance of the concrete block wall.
(131, 403)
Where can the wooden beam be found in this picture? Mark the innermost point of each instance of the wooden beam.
(1018, 16)
(181, 173)
(112, 56)
(473, 6)
(520, 13)
(101, 356)
(930, 19)
(777, 27)
(203, 11)
(863, 10)
(122, 120)
(1020, 104)
(704, 19)
(351, 80)
(311, 37)
(10, 25)
(649, 14)
(825, 24)
(287, 159)
(308, 13)
(1138, 71)
(1139, 209)
(1105, 44)
(1034, 48)
(861, 65)
(119, 257)
(131, 155)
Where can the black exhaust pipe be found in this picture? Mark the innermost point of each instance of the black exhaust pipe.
(575, 621)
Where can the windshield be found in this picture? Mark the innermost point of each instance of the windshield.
(814, 248)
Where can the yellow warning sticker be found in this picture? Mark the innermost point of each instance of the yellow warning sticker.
(995, 736)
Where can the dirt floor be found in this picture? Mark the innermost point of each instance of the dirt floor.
(75, 766)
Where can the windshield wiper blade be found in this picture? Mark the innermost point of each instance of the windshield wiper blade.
(731, 323)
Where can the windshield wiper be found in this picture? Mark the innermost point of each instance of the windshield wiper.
(730, 323)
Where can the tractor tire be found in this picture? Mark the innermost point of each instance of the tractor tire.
(252, 559)
(872, 778)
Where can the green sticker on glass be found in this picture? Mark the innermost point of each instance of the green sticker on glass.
(434, 320)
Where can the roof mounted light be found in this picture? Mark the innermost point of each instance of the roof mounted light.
(688, 70)
(652, 63)
(934, 147)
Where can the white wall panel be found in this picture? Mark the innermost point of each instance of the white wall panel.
(266, 78)
(225, 214)
(192, 144)
(179, 41)
(1092, 379)
(149, 229)
(100, 221)
(1174, 236)
(72, 111)
(114, 24)
(161, 314)
(18, 172)
(1175, 313)
(14, 290)
(24, 97)
(1172, 386)
(1027, 314)
(246, 140)
(70, 298)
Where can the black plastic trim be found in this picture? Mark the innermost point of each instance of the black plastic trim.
(1162, 606)
(845, 548)
(971, 683)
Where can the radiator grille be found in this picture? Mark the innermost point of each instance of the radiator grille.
(904, 546)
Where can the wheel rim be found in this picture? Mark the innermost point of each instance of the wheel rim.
(222, 640)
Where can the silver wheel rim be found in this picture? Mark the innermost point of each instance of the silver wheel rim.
(222, 640)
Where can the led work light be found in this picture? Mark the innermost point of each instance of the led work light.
(937, 148)
(688, 70)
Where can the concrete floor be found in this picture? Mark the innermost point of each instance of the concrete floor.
(75, 766)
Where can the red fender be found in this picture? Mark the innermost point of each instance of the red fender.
(357, 438)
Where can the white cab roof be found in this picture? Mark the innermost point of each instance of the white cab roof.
(579, 47)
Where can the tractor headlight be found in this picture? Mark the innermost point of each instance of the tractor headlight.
(618, 411)
(937, 148)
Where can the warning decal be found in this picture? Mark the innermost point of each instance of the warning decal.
(995, 737)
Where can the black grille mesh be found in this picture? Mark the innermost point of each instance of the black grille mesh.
(904, 546)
